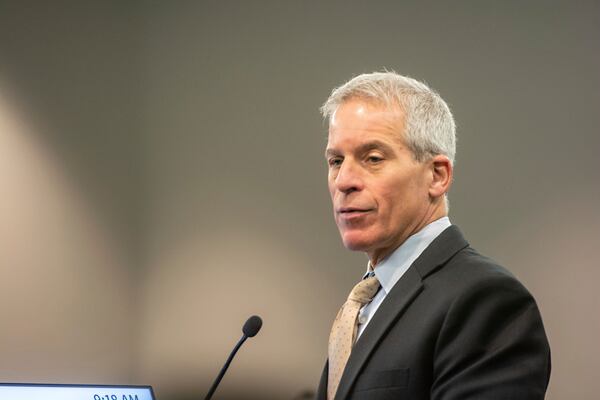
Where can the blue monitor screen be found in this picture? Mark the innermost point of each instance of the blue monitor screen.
(20, 391)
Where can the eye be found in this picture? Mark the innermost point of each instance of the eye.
(334, 161)
(374, 159)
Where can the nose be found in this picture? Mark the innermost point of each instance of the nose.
(348, 178)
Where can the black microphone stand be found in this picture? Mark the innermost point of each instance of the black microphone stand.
(224, 369)
(250, 329)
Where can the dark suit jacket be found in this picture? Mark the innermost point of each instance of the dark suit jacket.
(456, 326)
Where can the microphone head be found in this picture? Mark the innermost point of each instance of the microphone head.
(252, 326)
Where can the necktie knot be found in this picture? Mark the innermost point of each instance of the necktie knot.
(365, 290)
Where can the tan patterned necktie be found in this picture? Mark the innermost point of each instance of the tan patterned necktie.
(343, 332)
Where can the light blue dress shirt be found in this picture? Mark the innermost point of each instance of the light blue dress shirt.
(390, 270)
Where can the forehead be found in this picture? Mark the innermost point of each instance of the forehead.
(358, 119)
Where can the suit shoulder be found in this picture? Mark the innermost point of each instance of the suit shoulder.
(469, 270)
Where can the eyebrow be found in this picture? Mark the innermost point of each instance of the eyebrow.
(371, 145)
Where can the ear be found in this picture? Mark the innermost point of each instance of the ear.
(441, 173)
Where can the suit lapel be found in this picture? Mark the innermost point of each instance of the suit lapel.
(448, 243)
(407, 288)
(322, 390)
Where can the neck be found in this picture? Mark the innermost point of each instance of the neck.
(432, 215)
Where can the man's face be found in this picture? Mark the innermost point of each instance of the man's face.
(380, 193)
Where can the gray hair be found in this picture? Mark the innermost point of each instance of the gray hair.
(430, 128)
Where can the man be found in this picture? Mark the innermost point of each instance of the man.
(432, 318)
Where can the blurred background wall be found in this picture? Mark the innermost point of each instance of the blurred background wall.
(162, 178)
(69, 192)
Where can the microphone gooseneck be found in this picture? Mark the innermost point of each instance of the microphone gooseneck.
(250, 329)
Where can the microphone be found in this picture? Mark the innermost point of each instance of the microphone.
(252, 326)
(250, 329)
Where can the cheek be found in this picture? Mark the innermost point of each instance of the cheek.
(391, 199)
(396, 201)
(331, 188)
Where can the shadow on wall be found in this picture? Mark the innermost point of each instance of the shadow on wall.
(65, 293)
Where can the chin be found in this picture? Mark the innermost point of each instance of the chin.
(355, 242)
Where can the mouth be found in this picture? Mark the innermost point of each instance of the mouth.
(352, 211)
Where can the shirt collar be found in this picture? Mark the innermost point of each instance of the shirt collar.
(391, 269)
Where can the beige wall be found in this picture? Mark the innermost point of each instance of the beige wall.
(182, 150)
(69, 193)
